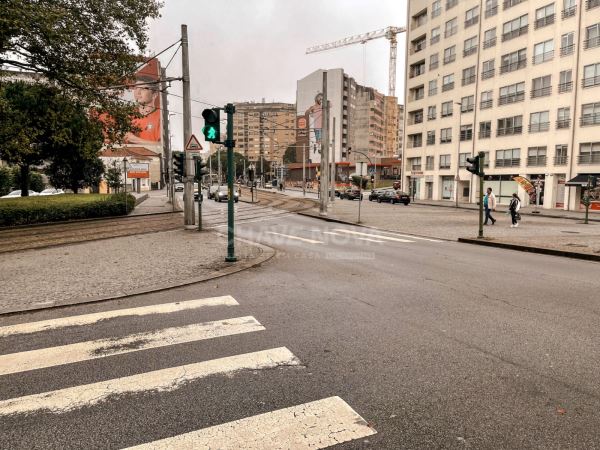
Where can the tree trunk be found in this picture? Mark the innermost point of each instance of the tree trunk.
(24, 180)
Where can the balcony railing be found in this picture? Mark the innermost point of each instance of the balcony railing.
(508, 162)
(434, 39)
(449, 59)
(446, 140)
(592, 4)
(511, 98)
(451, 32)
(591, 42)
(536, 161)
(486, 104)
(471, 21)
(539, 127)
(451, 3)
(430, 140)
(589, 158)
(513, 66)
(509, 131)
(467, 108)
(489, 43)
(415, 120)
(429, 166)
(444, 166)
(418, 47)
(515, 33)
(491, 12)
(468, 80)
(510, 3)
(434, 65)
(488, 74)
(415, 144)
(567, 50)
(486, 134)
(591, 81)
(436, 12)
(590, 119)
(432, 91)
(563, 123)
(431, 117)
(544, 21)
(416, 168)
(541, 92)
(565, 87)
(447, 87)
(569, 12)
(543, 57)
(561, 160)
(469, 51)
(447, 113)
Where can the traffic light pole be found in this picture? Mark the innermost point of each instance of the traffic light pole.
(230, 143)
(481, 155)
(188, 194)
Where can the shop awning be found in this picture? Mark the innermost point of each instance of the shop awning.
(580, 180)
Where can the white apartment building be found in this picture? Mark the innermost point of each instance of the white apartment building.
(516, 79)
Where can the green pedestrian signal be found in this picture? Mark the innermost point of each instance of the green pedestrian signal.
(212, 124)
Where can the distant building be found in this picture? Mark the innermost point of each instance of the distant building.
(400, 140)
(135, 155)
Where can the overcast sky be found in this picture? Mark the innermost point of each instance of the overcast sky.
(247, 50)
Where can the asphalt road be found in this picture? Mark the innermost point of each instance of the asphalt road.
(435, 344)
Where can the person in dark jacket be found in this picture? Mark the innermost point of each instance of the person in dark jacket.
(514, 207)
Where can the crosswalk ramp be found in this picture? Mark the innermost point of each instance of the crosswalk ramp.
(317, 423)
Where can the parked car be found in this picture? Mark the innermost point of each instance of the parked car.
(351, 194)
(394, 197)
(375, 193)
(52, 191)
(211, 191)
(15, 194)
(179, 187)
(221, 195)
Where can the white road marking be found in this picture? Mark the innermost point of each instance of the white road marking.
(262, 219)
(310, 241)
(313, 425)
(370, 240)
(329, 232)
(373, 236)
(88, 319)
(164, 380)
(83, 351)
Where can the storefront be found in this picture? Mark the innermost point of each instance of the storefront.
(503, 187)
(581, 183)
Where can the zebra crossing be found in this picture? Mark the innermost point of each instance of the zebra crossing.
(315, 424)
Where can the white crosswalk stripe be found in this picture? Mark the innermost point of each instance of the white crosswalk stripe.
(316, 424)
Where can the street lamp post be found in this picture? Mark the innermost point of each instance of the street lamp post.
(456, 178)
(125, 181)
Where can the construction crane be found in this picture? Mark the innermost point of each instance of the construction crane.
(388, 33)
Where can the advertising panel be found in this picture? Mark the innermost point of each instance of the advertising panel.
(138, 170)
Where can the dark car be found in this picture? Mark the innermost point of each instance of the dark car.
(394, 197)
(221, 194)
(376, 193)
(351, 194)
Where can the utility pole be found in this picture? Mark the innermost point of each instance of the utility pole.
(229, 143)
(188, 193)
(332, 192)
(219, 163)
(324, 187)
(166, 180)
(304, 170)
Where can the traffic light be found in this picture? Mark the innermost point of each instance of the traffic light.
(200, 169)
(179, 164)
(474, 165)
(212, 125)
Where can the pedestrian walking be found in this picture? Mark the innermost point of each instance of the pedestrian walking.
(514, 207)
(489, 204)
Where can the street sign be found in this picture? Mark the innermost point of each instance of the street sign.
(193, 144)
(138, 170)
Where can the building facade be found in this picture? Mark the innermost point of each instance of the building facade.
(516, 79)
(264, 130)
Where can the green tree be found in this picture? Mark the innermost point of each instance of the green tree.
(290, 155)
(113, 178)
(6, 180)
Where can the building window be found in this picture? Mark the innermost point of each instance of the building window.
(592, 36)
(432, 87)
(434, 61)
(508, 158)
(445, 135)
(451, 27)
(429, 161)
(513, 61)
(414, 164)
(468, 76)
(539, 121)
(419, 19)
(541, 86)
(467, 104)
(435, 35)
(415, 117)
(462, 159)
(544, 16)
(450, 54)
(567, 44)
(544, 51)
(590, 114)
(560, 155)
(513, 93)
(569, 8)
(592, 4)
(510, 3)
(466, 132)
(431, 112)
(565, 83)
(415, 140)
(487, 100)
(485, 130)
(448, 83)
(451, 3)
(591, 75)
(472, 16)
(430, 137)
(445, 161)
(470, 46)
(489, 38)
(491, 8)
(417, 93)
(515, 28)
(488, 70)
(589, 153)
(536, 156)
(417, 69)
(436, 8)
(447, 108)
(509, 126)
(418, 44)
(563, 118)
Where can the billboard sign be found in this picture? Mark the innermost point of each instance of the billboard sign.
(138, 170)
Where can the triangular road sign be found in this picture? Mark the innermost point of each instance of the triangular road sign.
(193, 144)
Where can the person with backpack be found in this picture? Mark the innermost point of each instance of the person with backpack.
(514, 207)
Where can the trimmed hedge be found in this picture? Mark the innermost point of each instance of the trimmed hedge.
(56, 208)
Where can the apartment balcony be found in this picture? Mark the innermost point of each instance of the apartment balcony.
(433, 65)
(561, 160)
(563, 123)
(448, 87)
(512, 98)
(544, 57)
(451, 3)
(565, 87)
(418, 47)
(515, 33)
(509, 131)
(544, 21)
(472, 21)
(569, 12)
(513, 66)
(489, 43)
(592, 4)
(567, 50)
(431, 140)
(590, 82)
(589, 158)
(450, 32)
(429, 167)
(533, 161)
(589, 119)
(434, 40)
(486, 104)
(415, 120)
(491, 12)
(432, 91)
(539, 127)
(468, 80)
(488, 74)
(541, 92)
(469, 51)
(449, 59)
(485, 134)
(592, 42)
(509, 162)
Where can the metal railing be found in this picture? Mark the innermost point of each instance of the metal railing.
(489, 43)
(589, 158)
(569, 12)
(590, 119)
(539, 127)
(451, 3)
(432, 91)
(451, 32)
(567, 50)
(565, 87)
(515, 33)
(544, 21)
(447, 87)
(561, 160)
(471, 21)
(434, 40)
(486, 104)
(591, 42)
(508, 162)
(511, 98)
(447, 113)
(513, 66)
(485, 134)
(536, 160)
(541, 92)
(468, 80)
(467, 108)
(434, 65)
(488, 74)
(444, 166)
(592, 4)
(431, 140)
(469, 51)
(436, 12)
(563, 123)
(449, 59)
(544, 57)
(591, 81)
(509, 131)
(491, 12)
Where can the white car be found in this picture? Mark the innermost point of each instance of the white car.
(52, 191)
(15, 194)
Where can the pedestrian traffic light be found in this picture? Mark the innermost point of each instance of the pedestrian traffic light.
(200, 169)
(212, 125)
(179, 163)
(474, 165)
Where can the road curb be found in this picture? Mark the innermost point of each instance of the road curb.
(524, 248)
(266, 253)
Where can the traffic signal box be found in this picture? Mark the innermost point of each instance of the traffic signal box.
(179, 163)
(212, 125)
(201, 169)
